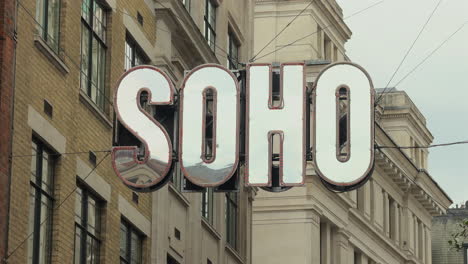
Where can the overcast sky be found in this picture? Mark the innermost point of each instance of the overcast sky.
(439, 88)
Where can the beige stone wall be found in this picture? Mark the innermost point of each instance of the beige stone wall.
(312, 36)
(78, 126)
(388, 220)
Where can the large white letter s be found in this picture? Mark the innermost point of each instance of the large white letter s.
(142, 174)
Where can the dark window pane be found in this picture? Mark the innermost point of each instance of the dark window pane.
(40, 204)
(87, 227)
(131, 245)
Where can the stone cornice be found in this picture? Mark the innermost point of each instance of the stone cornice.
(420, 127)
(189, 36)
(405, 174)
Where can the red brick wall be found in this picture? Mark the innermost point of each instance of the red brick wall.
(7, 59)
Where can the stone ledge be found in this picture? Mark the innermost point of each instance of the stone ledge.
(50, 54)
(98, 112)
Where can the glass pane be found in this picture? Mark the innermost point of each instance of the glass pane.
(47, 172)
(210, 205)
(136, 248)
(92, 250)
(33, 162)
(93, 216)
(53, 24)
(138, 59)
(99, 22)
(44, 233)
(31, 218)
(40, 6)
(95, 64)
(211, 14)
(97, 17)
(211, 39)
(89, 250)
(123, 241)
(128, 56)
(77, 245)
(84, 58)
(96, 251)
(78, 205)
(85, 10)
(94, 69)
(101, 77)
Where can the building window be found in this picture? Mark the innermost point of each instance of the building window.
(93, 51)
(186, 4)
(210, 24)
(134, 55)
(177, 177)
(207, 205)
(327, 48)
(48, 19)
(231, 218)
(131, 244)
(319, 42)
(233, 52)
(40, 204)
(87, 227)
(171, 260)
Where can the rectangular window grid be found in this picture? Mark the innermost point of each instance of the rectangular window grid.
(40, 204)
(87, 227)
(233, 49)
(93, 51)
(210, 24)
(232, 201)
(131, 244)
(48, 18)
(207, 205)
(134, 55)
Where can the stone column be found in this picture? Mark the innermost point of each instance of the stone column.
(362, 259)
(341, 246)
(325, 243)
(364, 200)
(396, 224)
(416, 237)
(315, 234)
(351, 255)
(386, 210)
(428, 246)
(423, 243)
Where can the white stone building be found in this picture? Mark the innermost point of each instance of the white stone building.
(388, 220)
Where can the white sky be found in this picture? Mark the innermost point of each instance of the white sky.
(439, 88)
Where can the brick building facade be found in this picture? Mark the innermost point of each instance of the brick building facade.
(442, 229)
(66, 204)
(7, 75)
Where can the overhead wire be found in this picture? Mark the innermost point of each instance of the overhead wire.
(424, 147)
(313, 33)
(432, 53)
(282, 30)
(379, 147)
(59, 205)
(409, 50)
(63, 154)
(62, 52)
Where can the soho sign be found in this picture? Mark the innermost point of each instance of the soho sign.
(340, 90)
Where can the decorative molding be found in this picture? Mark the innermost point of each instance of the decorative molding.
(46, 130)
(134, 216)
(50, 54)
(93, 180)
